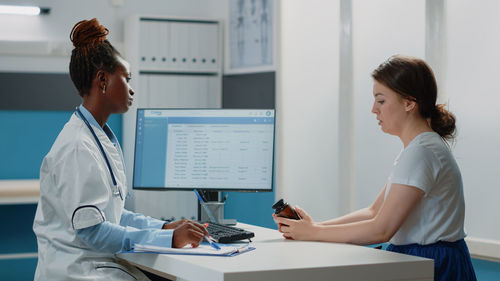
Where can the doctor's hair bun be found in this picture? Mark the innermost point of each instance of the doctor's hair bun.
(92, 53)
(88, 32)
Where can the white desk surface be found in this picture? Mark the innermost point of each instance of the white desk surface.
(278, 259)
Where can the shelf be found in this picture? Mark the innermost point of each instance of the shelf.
(19, 191)
(178, 71)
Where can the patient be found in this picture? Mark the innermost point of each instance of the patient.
(420, 211)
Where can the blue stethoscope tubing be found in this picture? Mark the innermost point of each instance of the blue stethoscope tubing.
(102, 151)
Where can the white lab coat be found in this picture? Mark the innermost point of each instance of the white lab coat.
(76, 191)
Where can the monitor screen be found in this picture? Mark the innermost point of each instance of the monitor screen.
(213, 149)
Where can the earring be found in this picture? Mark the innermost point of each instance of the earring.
(104, 89)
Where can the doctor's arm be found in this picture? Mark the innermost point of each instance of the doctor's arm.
(140, 221)
(112, 238)
(399, 203)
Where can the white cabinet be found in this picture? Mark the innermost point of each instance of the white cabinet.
(178, 45)
(175, 63)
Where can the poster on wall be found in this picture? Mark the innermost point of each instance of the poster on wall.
(250, 36)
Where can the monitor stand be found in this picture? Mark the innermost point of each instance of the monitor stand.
(213, 208)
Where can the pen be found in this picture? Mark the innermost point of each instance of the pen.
(244, 249)
(212, 243)
(204, 195)
(207, 210)
(225, 197)
(199, 196)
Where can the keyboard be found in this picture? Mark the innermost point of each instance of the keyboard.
(227, 234)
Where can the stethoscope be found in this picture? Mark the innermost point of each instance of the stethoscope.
(118, 190)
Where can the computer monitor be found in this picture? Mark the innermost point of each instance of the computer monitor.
(208, 149)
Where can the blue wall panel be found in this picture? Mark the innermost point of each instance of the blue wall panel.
(18, 269)
(251, 208)
(17, 235)
(26, 137)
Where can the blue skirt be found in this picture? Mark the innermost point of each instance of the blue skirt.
(451, 259)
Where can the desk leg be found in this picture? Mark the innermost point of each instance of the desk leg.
(159, 273)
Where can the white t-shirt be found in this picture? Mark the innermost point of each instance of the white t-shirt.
(427, 164)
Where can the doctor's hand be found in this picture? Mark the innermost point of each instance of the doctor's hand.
(189, 232)
(174, 224)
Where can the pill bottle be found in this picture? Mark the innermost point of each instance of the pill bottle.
(282, 209)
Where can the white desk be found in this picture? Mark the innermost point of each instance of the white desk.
(278, 259)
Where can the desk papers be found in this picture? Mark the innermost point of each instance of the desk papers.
(204, 249)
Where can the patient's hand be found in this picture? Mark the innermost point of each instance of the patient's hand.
(303, 214)
(303, 229)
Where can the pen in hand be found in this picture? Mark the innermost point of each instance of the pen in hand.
(212, 243)
(210, 240)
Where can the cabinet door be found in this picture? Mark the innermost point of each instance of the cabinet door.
(167, 49)
(184, 91)
(175, 91)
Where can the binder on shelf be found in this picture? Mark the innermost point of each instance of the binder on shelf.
(212, 46)
(194, 45)
(173, 41)
(144, 88)
(213, 88)
(204, 43)
(163, 44)
(158, 100)
(155, 60)
(188, 89)
(183, 45)
(144, 38)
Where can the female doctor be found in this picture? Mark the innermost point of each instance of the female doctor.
(421, 209)
(80, 221)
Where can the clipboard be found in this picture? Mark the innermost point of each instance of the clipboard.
(204, 249)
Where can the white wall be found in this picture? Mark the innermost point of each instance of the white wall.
(308, 99)
(307, 106)
(64, 14)
(462, 45)
(473, 60)
(381, 29)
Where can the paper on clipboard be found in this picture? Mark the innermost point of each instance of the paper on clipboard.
(202, 249)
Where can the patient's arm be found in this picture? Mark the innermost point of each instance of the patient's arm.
(400, 201)
(360, 215)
